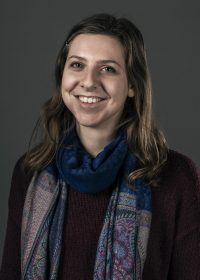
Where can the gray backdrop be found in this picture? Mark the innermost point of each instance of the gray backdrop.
(31, 33)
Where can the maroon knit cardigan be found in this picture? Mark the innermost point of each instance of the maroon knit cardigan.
(173, 251)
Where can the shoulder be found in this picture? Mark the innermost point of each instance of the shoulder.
(181, 161)
(19, 183)
(18, 171)
(180, 173)
(181, 169)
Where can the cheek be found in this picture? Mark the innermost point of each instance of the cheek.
(117, 89)
(67, 100)
(111, 86)
(68, 82)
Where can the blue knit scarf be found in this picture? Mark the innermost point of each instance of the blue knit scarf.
(121, 249)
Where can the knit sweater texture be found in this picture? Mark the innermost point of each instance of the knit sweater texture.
(173, 251)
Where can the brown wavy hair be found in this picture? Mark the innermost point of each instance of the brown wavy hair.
(144, 138)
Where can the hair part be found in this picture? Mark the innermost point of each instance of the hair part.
(144, 138)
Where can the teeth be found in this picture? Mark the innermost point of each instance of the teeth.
(85, 99)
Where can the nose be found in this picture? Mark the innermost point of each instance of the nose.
(89, 80)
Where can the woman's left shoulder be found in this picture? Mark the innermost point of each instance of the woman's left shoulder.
(184, 164)
(181, 173)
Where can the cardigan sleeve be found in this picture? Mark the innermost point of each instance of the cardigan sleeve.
(173, 251)
(185, 260)
(185, 263)
(10, 267)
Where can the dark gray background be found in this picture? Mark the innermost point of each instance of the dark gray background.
(31, 33)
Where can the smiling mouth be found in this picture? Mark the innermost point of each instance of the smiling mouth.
(90, 100)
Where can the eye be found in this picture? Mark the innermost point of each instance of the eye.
(109, 69)
(76, 65)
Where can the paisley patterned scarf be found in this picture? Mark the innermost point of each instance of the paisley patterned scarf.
(121, 249)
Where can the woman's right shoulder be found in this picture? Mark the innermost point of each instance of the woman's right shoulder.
(20, 181)
(19, 172)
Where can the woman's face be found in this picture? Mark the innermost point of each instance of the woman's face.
(94, 85)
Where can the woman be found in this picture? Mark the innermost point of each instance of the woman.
(102, 196)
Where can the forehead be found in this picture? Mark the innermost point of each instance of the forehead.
(100, 46)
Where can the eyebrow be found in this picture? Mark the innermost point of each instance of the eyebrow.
(99, 61)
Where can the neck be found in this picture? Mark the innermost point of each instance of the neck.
(94, 140)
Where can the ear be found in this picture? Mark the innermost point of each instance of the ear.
(131, 92)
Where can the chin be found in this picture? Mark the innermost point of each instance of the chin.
(87, 124)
